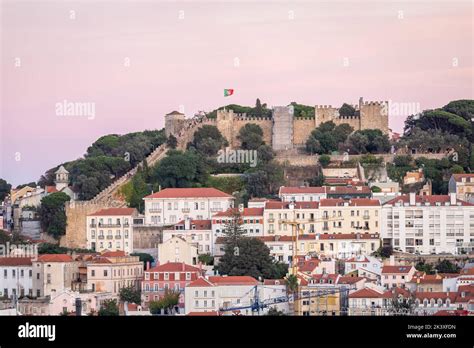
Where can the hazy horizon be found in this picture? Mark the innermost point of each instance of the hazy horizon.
(137, 61)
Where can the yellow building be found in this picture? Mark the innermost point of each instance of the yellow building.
(349, 216)
(340, 246)
(276, 212)
(319, 295)
(463, 186)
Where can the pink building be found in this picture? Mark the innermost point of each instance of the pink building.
(169, 276)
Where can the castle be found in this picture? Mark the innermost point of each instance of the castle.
(284, 130)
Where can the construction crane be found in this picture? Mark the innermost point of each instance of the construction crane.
(296, 230)
(256, 304)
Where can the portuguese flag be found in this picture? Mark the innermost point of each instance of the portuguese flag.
(228, 92)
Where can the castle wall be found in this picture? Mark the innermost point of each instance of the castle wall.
(76, 214)
(302, 128)
(265, 123)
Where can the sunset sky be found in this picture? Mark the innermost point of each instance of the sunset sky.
(183, 53)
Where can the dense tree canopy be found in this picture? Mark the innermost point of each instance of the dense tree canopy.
(251, 257)
(208, 140)
(180, 169)
(5, 188)
(251, 136)
(52, 214)
(327, 137)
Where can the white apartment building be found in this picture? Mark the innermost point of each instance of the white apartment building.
(366, 266)
(211, 294)
(302, 194)
(53, 273)
(428, 224)
(251, 219)
(171, 205)
(195, 232)
(111, 230)
(16, 277)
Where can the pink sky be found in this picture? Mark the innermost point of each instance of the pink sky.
(190, 61)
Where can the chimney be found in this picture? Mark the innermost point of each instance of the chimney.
(412, 198)
(392, 260)
(452, 198)
(147, 265)
(182, 267)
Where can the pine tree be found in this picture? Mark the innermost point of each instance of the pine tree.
(233, 230)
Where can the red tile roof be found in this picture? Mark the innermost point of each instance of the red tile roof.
(426, 199)
(114, 212)
(349, 280)
(301, 189)
(355, 259)
(50, 189)
(233, 280)
(354, 202)
(118, 253)
(366, 293)
(15, 261)
(246, 212)
(396, 269)
(435, 295)
(223, 280)
(174, 267)
(308, 265)
(55, 258)
(396, 292)
(200, 282)
(208, 192)
(458, 177)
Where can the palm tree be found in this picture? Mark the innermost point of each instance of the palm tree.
(292, 289)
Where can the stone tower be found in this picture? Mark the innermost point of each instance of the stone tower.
(174, 122)
(282, 134)
(225, 124)
(62, 178)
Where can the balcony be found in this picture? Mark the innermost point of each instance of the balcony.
(93, 225)
(186, 210)
(118, 236)
(154, 210)
(110, 225)
(100, 237)
(110, 237)
(271, 220)
(366, 217)
(325, 217)
(216, 209)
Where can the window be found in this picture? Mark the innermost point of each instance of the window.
(105, 273)
(167, 276)
(92, 274)
(188, 276)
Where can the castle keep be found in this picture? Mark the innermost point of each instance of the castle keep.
(284, 130)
